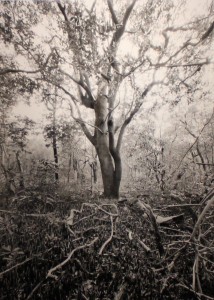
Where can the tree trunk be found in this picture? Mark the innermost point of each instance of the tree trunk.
(102, 144)
(117, 176)
(111, 167)
(106, 165)
(69, 169)
(21, 179)
(55, 152)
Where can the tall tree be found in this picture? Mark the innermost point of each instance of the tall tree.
(110, 71)
(52, 104)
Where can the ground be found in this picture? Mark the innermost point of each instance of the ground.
(83, 247)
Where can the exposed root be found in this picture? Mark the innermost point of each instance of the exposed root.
(109, 239)
(59, 266)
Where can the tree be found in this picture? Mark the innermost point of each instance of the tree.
(111, 76)
(51, 102)
(107, 149)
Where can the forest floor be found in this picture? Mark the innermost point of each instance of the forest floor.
(81, 247)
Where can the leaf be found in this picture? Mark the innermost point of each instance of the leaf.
(162, 220)
(6, 248)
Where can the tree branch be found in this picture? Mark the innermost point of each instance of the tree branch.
(113, 14)
(133, 113)
(196, 140)
(79, 120)
(16, 266)
(73, 98)
(210, 202)
(121, 28)
(208, 32)
(62, 9)
(82, 84)
(185, 45)
(8, 70)
(128, 12)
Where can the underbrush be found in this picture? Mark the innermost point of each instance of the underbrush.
(76, 248)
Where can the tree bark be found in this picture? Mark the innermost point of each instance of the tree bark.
(117, 176)
(55, 152)
(21, 179)
(102, 144)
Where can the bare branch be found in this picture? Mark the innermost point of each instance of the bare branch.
(62, 9)
(205, 164)
(145, 247)
(191, 75)
(128, 12)
(8, 70)
(121, 28)
(35, 289)
(73, 98)
(184, 46)
(133, 69)
(14, 267)
(196, 140)
(200, 295)
(133, 112)
(82, 84)
(82, 124)
(113, 14)
(208, 32)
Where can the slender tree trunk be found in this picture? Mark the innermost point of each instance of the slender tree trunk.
(69, 169)
(55, 152)
(94, 168)
(21, 179)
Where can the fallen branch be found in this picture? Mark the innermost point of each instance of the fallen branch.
(35, 289)
(145, 247)
(210, 202)
(82, 268)
(16, 266)
(25, 215)
(59, 266)
(153, 218)
(120, 294)
(198, 294)
(109, 239)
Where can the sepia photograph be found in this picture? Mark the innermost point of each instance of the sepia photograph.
(106, 149)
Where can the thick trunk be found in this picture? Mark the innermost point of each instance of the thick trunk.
(106, 165)
(111, 175)
(102, 145)
(109, 156)
(117, 177)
